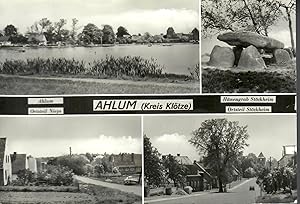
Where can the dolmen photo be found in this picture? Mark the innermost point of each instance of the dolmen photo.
(249, 50)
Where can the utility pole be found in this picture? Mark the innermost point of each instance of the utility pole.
(270, 163)
(70, 148)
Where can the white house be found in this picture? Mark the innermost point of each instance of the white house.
(5, 163)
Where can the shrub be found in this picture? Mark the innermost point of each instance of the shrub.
(55, 176)
(76, 163)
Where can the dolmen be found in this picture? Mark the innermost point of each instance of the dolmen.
(250, 50)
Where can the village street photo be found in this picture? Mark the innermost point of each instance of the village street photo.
(220, 159)
(71, 160)
(99, 47)
(248, 46)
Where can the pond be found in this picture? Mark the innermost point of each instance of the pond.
(176, 58)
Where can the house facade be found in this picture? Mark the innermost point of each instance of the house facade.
(196, 175)
(127, 163)
(37, 38)
(5, 164)
(21, 162)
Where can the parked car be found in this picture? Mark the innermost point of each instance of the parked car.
(131, 180)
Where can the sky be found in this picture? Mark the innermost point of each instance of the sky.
(52, 136)
(268, 133)
(137, 16)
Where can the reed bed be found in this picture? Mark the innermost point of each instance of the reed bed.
(110, 66)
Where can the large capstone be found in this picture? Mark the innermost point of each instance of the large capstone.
(221, 57)
(246, 38)
(281, 56)
(251, 58)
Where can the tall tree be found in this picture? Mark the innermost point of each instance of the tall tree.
(10, 30)
(91, 34)
(121, 32)
(152, 164)
(108, 34)
(73, 33)
(58, 29)
(233, 15)
(175, 171)
(221, 142)
(44, 23)
(171, 33)
(289, 8)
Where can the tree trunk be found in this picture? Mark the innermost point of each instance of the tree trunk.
(291, 30)
(220, 185)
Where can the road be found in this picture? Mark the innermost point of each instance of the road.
(136, 189)
(239, 194)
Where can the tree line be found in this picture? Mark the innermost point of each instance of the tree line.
(55, 32)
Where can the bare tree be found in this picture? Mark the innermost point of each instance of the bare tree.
(290, 8)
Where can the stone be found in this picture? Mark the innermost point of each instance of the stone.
(221, 57)
(246, 38)
(188, 189)
(290, 51)
(237, 54)
(281, 56)
(251, 58)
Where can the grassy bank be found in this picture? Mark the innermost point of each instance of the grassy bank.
(15, 85)
(221, 81)
(128, 67)
(89, 194)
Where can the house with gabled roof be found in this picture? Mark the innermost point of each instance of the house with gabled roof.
(5, 163)
(127, 163)
(261, 159)
(21, 162)
(196, 175)
(37, 38)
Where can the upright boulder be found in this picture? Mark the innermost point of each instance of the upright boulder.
(221, 57)
(246, 38)
(281, 56)
(237, 54)
(251, 58)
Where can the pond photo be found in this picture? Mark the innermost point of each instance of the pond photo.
(121, 47)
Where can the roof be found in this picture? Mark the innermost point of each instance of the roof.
(184, 160)
(18, 162)
(203, 169)
(4, 38)
(261, 155)
(2, 151)
(126, 159)
(37, 37)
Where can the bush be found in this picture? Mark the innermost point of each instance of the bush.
(76, 163)
(221, 81)
(55, 176)
(25, 177)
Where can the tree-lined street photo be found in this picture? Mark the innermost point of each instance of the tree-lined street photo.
(220, 159)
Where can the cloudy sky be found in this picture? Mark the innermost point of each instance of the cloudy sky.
(137, 16)
(52, 136)
(170, 134)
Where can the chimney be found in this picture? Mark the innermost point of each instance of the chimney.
(14, 156)
(132, 157)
